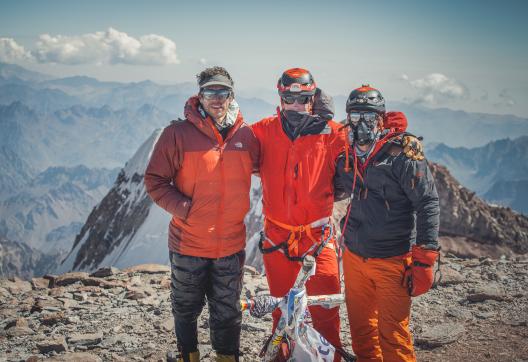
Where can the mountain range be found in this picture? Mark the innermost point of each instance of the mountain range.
(49, 211)
(497, 171)
(58, 132)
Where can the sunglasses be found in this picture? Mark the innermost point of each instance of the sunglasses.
(220, 94)
(369, 117)
(290, 99)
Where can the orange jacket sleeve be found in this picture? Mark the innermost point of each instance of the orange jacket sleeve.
(160, 173)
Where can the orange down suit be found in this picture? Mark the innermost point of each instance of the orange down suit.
(298, 191)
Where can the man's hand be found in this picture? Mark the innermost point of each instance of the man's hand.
(412, 147)
(418, 277)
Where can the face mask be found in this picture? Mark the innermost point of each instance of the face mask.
(363, 132)
(362, 125)
(294, 117)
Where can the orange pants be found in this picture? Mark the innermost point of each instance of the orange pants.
(378, 308)
(281, 274)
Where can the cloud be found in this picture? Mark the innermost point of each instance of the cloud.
(485, 96)
(108, 47)
(506, 99)
(202, 61)
(437, 88)
(404, 77)
(11, 51)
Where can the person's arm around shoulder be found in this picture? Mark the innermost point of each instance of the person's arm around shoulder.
(161, 171)
(254, 152)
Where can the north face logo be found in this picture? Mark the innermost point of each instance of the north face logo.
(239, 145)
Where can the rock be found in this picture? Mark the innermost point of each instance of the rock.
(135, 294)
(53, 318)
(93, 282)
(110, 284)
(251, 270)
(89, 339)
(486, 261)
(19, 331)
(18, 322)
(254, 327)
(4, 293)
(51, 278)
(56, 344)
(440, 334)
(80, 297)
(70, 278)
(450, 276)
(17, 286)
(18, 327)
(148, 269)
(45, 303)
(135, 281)
(151, 300)
(485, 292)
(57, 292)
(68, 303)
(522, 322)
(165, 283)
(120, 339)
(102, 283)
(459, 314)
(105, 272)
(485, 315)
(165, 325)
(40, 283)
(76, 357)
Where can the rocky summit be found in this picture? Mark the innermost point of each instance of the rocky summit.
(478, 312)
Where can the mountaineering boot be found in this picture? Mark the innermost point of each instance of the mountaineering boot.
(226, 358)
(174, 356)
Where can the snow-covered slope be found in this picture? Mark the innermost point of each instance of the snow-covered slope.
(125, 228)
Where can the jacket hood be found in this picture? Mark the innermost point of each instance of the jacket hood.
(194, 113)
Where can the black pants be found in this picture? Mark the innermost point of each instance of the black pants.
(194, 278)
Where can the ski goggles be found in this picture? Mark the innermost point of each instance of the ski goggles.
(369, 117)
(300, 99)
(220, 94)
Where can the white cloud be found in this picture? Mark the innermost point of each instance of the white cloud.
(109, 47)
(202, 61)
(404, 77)
(506, 98)
(11, 51)
(437, 88)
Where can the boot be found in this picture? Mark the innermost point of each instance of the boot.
(226, 358)
(173, 356)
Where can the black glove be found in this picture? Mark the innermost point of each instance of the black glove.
(323, 105)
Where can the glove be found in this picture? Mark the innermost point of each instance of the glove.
(418, 276)
(261, 305)
(323, 105)
(412, 147)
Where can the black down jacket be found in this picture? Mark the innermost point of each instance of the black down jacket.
(395, 203)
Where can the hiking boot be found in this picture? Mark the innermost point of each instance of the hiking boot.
(226, 358)
(174, 356)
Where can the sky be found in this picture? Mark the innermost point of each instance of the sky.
(468, 55)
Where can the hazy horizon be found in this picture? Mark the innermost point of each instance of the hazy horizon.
(467, 56)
